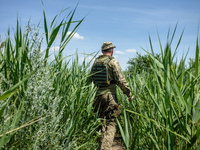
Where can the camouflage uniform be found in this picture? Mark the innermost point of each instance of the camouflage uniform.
(106, 101)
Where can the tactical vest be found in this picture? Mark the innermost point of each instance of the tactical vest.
(100, 72)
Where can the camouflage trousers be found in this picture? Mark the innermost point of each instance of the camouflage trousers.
(107, 107)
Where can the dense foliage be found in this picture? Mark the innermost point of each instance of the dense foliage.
(44, 103)
(141, 63)
(47, 104)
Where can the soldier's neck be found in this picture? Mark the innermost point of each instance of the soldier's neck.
(109, 54)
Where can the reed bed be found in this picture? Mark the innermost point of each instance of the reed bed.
(47, 104)
(166, 110)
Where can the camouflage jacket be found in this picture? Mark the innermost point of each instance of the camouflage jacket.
(114, 73)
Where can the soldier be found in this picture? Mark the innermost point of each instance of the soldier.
(107, 74)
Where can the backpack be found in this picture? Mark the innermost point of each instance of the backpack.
(100, 72)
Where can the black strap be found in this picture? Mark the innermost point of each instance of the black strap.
(113, 82)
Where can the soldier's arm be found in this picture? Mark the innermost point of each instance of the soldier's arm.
(120, 78)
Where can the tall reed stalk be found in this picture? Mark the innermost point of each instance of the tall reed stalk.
(45, 104)
(166, 110)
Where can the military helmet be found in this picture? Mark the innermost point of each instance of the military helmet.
(107, 45)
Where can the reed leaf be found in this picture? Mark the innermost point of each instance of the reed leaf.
(15, 87)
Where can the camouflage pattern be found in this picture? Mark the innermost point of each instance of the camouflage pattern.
(116, 74)
(106, 103)
(108, 109)
(107, 45)
(108, 134)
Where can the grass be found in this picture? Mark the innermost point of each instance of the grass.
(166, 109)
(47, 104)
(41, 106)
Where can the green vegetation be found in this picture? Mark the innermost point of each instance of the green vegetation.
(166, 110)
(47, 104)
(141, 63)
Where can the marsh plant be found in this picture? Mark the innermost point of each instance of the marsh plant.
(41, 106)
(47, 104)
(166, 110)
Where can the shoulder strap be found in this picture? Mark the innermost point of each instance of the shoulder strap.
(107, 60)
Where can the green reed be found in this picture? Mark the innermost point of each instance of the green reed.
(47, 103)
(166, 110)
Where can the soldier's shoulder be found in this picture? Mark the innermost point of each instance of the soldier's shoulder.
(114, 61)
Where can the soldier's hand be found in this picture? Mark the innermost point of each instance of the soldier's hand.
(130, 99)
